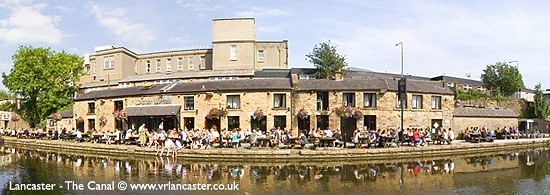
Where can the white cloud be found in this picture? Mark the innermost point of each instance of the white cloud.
(201, 7)
(181, 39)
(258, 12)
(25, 23)
(115, 20)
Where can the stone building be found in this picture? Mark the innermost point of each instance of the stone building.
(245, 83)
(284, 101)
(483, 117)
(235, 53)
(66, 121)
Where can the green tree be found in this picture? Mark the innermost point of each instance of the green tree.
(502, 78)
(5, 95)
(43, 79)
(541, 107)
(326, 59)
(7, 106)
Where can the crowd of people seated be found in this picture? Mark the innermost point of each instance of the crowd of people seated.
(174, 140)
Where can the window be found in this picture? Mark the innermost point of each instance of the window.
(417, 102)
(436, 102)
(189, 123)
(279, 101)
(169, 65)
(108, 62)
(260, 55)
(233, 102)
(91, 108)
(349, 99)
(180, 64)
(306, 77)
(322, 100)
(148, 66)
(189, 103)
(190, 63)
(322, 121)
(369, 100)
(202, 65)
(233, 55)
(450, 85)
(279, 121)
(233, 122)
(467, 87)
(88, 68)
(91, 124)
(119, 105)
(111, 62)
(481, 89)
(398, 101)
(158, 65)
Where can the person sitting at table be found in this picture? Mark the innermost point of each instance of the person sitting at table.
(128, 135)
(253, 138)
(235, 138)
(504, 131)
(106, 137)
(206, 138)
(338, 139)
(73, 131)
(450, 136)
(372, 137)
(78, 136)
(303, 140)
(328, 132)
(416, 138)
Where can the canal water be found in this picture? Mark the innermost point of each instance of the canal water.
(514, 172)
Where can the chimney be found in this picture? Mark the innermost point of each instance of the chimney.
(338, 75)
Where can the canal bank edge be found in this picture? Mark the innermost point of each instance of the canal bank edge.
(283, 155)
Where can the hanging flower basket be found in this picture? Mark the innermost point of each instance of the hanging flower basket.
(56, 116)
(120, 115)
(348, 111)
(302, 114)
(216, 113)
(102, 120)
(258, 114)
(357, 113)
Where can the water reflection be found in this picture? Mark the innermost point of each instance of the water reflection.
(506, 172)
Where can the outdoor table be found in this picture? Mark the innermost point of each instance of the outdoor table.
(264, 141)
(476, 137)
(132, 139)
(96, 138)
(326, 141)
(293, 141)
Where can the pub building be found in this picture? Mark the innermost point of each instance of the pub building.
(241, 82)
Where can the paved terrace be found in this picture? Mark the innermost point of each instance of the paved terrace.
(458, 147)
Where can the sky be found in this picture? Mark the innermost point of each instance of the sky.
(453, 38)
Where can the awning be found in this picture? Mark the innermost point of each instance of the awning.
(169, 110)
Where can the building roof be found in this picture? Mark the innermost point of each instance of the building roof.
(188, 75)
(272, 73)
(67, 113)
(232, 85)
(100, 84)
(413, 86)
(64, 114)
(155, 110)
(121, 92)
(484, 112)
(449, 79)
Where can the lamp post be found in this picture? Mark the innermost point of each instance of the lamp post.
(517, 67)
(400, 91)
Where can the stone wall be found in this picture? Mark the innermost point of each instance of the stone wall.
(461, 123)
(386, 111)
(515, 105)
